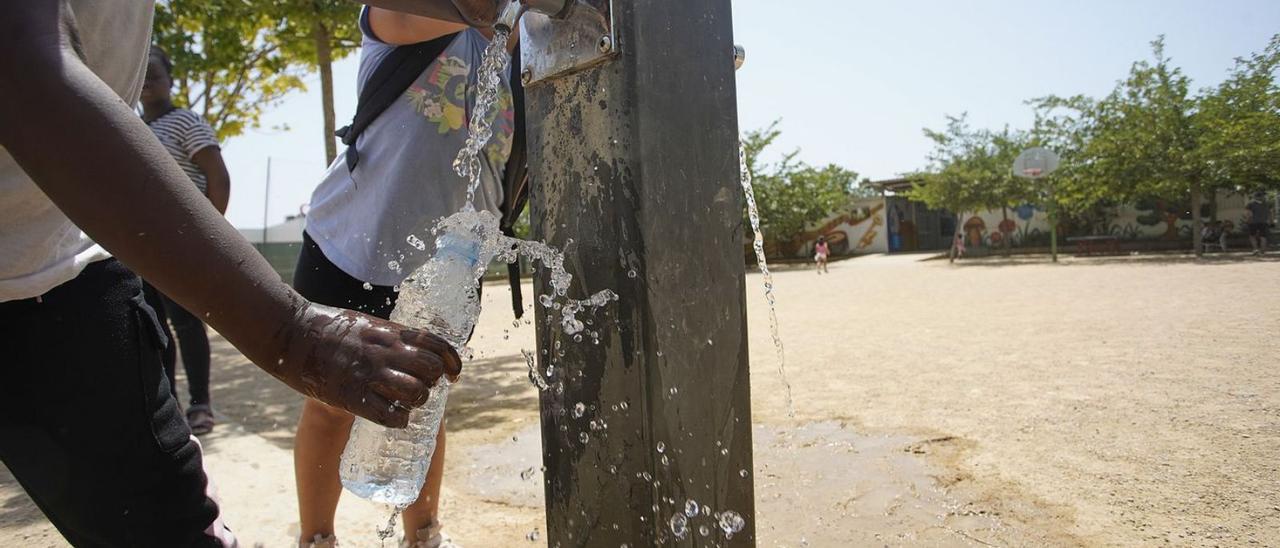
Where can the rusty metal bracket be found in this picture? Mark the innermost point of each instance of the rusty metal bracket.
(552, 47)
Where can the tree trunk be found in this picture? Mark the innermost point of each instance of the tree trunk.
(1008, 246)
(324, 58)
(1197, 199)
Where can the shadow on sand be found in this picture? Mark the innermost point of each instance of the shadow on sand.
(264, 406)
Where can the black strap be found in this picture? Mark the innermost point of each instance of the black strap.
(393, 75)
(515, 182)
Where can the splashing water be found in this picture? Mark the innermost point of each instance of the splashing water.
(389, 530)
(480, 128)
(758, 244)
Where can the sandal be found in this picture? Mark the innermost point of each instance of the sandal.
(200, 419)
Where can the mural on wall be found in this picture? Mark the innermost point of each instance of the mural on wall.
(879, 225)
(859, 230)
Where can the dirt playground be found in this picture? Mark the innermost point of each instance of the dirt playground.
(1131, 401)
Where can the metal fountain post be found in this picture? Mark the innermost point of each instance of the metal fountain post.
(633, 159)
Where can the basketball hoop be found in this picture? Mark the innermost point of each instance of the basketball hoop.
(1035, 163)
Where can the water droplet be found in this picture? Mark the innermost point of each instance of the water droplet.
(367, 286)
(710, 342)
(662, 447)
(613, 469)
(632, 274)
(515, 438)
(666, 461)
(515, 324)
(417, 243)
(394, 266)
(706, 510)
(528, 473)
(730, 522)
(659, 353)
(691, 508)
(647, 476)
(623, 405)
(704, 530)
(577, 338)
(742, 472)
(578, 410)
(532, 536)
(584, 437)
(679, 525)
(674, 390)
(724, 451)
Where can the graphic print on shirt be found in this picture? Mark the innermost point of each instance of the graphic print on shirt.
(443, 94)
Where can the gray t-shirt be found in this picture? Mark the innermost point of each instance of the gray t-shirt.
(40, 248)
(405, 181)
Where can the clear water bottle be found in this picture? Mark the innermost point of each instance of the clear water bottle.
(389, 465)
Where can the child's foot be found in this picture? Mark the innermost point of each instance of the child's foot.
(200, 419)
(320, 541)
(431, 537)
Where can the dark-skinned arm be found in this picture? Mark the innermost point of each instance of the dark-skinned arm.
(91, 154)
(218, 181)
(476, 13)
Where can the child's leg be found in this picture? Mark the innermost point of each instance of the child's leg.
(322, 434)
(423, 515)
(194, 345)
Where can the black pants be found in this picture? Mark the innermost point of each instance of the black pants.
(192, 341)
(87, 422)
(322, 282)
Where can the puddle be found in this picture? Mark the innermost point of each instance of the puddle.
(821, 484)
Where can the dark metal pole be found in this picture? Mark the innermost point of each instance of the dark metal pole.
(635, 159)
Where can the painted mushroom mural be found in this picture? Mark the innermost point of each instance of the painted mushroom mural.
(973, 229)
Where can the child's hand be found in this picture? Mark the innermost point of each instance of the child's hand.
(371, 367)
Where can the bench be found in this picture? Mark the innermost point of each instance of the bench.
(1096, 245)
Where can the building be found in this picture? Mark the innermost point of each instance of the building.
(892, 223)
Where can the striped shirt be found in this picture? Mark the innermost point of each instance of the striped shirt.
(184, 133)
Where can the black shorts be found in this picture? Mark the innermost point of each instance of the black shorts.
(322, 282)
(87, 422)
(1259, 230)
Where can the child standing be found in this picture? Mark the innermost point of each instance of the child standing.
(402, 185)
(820, 253)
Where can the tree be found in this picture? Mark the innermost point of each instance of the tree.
(1142, 141)
(792, 195)
(972, 170)
(1241, 119)
(317, 33)
(228, 64)
(233, 59)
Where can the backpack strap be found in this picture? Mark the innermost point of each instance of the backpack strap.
(515, 182)
(392, 76)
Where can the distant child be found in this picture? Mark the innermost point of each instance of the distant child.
(957, 247)
(820, 253)
(1259, 223)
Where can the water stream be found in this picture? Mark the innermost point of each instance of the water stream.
(753, 213)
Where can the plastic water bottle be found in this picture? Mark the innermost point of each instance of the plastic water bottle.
(389, 465)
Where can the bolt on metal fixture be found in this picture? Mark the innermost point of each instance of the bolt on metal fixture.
(606, 44)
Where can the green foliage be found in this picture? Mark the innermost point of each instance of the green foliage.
(1241, 120)
(1152, 137)
(301, 19)
(790, 194)
(972, 170)
(234, 59)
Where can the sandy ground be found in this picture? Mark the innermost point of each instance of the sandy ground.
(1100, 402)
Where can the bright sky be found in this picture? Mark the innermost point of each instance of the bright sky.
(855, 82)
